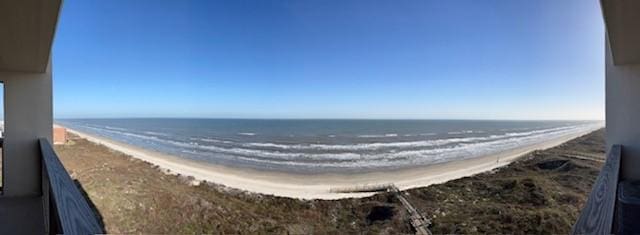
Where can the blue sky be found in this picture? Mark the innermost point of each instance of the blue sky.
(506, 59)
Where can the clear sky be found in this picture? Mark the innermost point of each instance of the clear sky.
(461, 59)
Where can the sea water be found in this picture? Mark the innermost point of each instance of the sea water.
(320, 146)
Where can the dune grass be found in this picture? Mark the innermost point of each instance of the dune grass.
(542, 193)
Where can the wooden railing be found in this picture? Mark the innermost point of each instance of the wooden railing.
(597, 216)
(69, 212)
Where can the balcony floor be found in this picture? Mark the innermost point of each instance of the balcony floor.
(21, 215)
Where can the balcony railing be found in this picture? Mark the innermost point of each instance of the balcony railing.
(597, 216)
(69, 212)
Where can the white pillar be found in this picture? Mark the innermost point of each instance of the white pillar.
(623, 113)
(28, 116)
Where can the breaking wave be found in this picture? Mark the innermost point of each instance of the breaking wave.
(395, 150)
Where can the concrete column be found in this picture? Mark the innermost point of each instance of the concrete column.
(623, 113)
(28, 116)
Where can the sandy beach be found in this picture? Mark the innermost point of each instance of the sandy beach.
(323, 186)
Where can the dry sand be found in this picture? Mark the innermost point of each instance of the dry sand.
(320, 186)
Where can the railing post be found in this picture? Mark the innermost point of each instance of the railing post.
(45, 199)
(597, 216)
(68, 210)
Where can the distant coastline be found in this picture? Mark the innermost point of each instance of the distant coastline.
(320, 186)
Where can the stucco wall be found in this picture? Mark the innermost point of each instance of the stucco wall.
(623, 113)
(28, 116)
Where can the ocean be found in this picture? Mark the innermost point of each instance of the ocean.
(324, 146)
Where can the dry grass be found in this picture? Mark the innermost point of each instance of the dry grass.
(541, 194)
(133, 196)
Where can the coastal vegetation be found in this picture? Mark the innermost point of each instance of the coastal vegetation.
(540, 193)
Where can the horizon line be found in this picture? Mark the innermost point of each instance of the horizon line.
(373, 119)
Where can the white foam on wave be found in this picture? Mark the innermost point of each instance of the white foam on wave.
(404, 153)
(461, 132)
(414, 157)
(115, 128)
(405, 144)
(247, 133)
(421, 157)
(456, 151)
(265, 154)
(119, 131)
(370, 136)
(156, 133)
(210, 140)
(365, 146)
(378, 136)
(356, 147)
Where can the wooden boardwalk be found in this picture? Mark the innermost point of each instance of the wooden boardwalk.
(418, 221)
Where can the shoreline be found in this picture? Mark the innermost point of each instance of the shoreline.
(323, 186)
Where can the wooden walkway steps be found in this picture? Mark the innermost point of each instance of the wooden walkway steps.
(418, 221)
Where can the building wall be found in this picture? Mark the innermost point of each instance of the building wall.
(59, 135)
(623, 113)
(28, 116)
